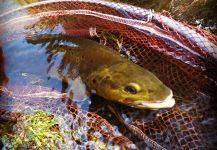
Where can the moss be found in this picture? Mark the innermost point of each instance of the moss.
(42, 130)
(25, 2)
(38, 130)
(196, 12)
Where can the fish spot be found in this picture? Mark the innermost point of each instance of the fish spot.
(150, 91)
(114, 85)
(107, 77)
(94, 81)
(128, 101)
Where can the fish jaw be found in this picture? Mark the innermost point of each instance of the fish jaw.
(168, 102)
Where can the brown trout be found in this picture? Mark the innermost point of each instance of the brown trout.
(107, 74)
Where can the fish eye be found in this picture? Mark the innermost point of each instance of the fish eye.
(130, 89)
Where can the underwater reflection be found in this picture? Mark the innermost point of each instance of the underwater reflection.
(103, 71)
(53, 62)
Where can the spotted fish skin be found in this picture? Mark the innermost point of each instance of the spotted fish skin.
(106, 73)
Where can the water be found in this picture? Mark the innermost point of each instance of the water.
(31, 68)
(38, 70)
(47, 89)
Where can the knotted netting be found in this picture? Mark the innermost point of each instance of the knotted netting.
(182, 56)
(76, 128)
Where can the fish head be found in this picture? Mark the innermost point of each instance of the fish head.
(132, 85)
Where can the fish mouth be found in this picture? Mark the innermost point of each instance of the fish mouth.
(168, 102)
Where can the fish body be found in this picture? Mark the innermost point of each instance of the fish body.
(107, 74)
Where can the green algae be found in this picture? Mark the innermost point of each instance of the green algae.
(38, 131)
(42, 130)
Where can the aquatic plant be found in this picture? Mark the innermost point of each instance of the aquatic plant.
(37, 130)
(43, 130)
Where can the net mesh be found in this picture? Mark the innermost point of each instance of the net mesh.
(186, 126)
(182, 56)
(80, 129)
